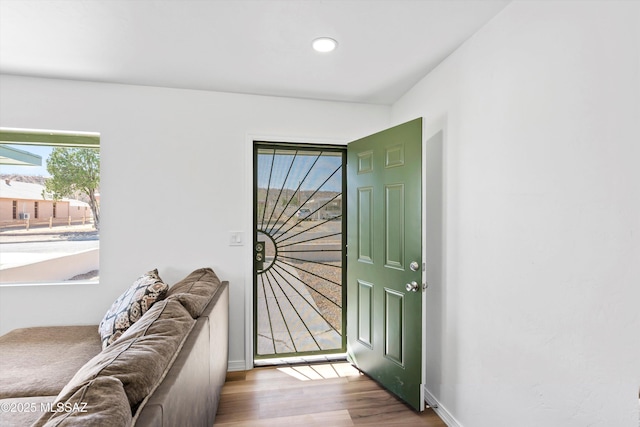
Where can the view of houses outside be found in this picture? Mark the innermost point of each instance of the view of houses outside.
(49, 214)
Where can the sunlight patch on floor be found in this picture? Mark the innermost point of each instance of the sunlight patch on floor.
(320, 371)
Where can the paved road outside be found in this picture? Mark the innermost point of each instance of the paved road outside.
(21, 247)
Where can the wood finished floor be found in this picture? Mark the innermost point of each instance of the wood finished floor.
(327, 395)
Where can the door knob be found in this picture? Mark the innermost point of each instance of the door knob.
(412, 287)
(414, 266)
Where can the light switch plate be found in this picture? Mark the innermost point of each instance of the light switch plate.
(236, 238)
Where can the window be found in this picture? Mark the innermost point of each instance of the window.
(52, 180)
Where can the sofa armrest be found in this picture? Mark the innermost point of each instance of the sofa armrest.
(190, 392)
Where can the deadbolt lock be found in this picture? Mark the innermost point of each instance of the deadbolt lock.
(259, 255)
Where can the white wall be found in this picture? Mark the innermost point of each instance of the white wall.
(178, 158)
(538, 317)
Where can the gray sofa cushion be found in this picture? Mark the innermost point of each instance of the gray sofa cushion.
(142, 355)
(98, 403)
(40, 361)
(23, 411)
(196, 290)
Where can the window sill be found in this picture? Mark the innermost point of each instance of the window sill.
(67, 283)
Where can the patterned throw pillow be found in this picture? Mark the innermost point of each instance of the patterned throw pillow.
(131, 305)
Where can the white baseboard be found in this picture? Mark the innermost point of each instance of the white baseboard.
(236, 365)
(442, 412)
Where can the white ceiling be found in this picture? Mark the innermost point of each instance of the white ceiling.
(245, 46)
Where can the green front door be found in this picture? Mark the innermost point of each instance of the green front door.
(384, 258)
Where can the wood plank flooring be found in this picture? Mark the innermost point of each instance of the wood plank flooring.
(328, 395)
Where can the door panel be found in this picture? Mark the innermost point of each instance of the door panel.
(394, 225)
(365, 310)
(365, 224)
(394, 325)
(384, 319)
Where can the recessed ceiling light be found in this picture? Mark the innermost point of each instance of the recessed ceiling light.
(324, 44)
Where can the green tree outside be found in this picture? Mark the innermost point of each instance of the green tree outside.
(75, 170)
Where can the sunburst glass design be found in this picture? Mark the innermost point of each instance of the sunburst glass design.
(298, 251)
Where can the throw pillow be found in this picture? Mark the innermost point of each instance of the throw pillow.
(131, 305)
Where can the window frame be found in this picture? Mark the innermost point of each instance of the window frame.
(50, 138)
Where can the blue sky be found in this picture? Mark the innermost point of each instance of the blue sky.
(302, 163)
(42, 151)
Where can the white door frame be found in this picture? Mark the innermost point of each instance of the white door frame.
(435, 274)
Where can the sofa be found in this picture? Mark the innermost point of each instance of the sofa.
(166, 369)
